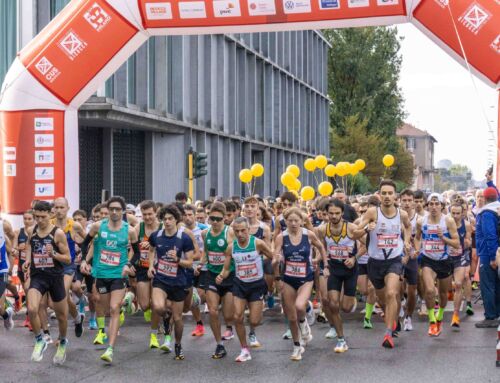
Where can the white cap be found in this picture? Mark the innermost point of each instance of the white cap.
(437, 196)
(130, 207)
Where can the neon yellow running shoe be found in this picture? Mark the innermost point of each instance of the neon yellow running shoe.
(147, 315)
(108, 355)
(101, 337)
(153, 341)
(122, 317)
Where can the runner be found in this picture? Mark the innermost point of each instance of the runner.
(295, 244)
(249, 285)
(110, 266)
(436, 233)
(46, 253)
(5, 268)
(385, 226)
(173, 249)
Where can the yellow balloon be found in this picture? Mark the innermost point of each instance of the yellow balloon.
(257, 170)
(295, 193)
(310, 165)
(245, 175)
(342, 169)
(330, 170)
(388, 160)
(296, 185)
(307, 193)
(288, 179)
(351, 168)
(321, 161)
(360, 164)
(294, 169)
(325, 188)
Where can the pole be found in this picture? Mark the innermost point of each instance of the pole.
(190, 175)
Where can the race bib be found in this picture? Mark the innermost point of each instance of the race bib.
(296, 269)
(110, 258)
(144, 260)
(247, 272)
(167, 268)
(387, 241)
(434, 246)
(42, 260)
(339, 252)
(216, 259)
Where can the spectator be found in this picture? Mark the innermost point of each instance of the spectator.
(181, 197)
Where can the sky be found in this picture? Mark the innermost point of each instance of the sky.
(441, 98)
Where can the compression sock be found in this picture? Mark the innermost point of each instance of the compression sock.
(101, 323)
(440, 314)
(432, 317)
(369, 310)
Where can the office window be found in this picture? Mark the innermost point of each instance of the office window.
(131, 79)
(411, 144)
(8, 35)
(56, 6)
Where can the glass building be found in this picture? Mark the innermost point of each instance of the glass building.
(240, 98)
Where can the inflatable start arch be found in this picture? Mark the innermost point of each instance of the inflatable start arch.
(90, 39)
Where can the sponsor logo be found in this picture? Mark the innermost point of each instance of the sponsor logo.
(44, 156)
(474, 18)
(44, 190)
(220, 242)
(495, 45)
(9, 170)
(261, 7)
(9, 153)
(442, 3)
(44, 174)
(104, 234)
(358, 3)
(44, 140)
(159, 11)
(192, 10)
(111, 243)
(97, 17)
(297, 6)
(72, 45)
(329, 4)
(224, 8)
(387, 2)
(44, 123)
(49, 71)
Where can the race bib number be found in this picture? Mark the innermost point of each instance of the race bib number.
(247, 272)
(169, 269)
(387, 241)
(144, 260)
(434, 247)
(42, 260)
(216, 259)
(296, 269)
(110, 258)
(339, 252)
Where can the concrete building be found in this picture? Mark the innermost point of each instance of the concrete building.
(421, 145)
(241, 98)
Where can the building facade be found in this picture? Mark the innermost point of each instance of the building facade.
(240, 98)
(421, 145)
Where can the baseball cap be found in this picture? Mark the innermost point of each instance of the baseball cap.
(437, 196)
(130, 207)
(490, 193)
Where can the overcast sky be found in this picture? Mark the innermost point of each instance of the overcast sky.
(441, 98)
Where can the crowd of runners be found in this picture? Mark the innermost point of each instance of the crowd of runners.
(228, 259)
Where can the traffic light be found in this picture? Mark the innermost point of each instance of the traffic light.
(199, 164)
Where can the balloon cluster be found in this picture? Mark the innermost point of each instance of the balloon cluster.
(247, 175)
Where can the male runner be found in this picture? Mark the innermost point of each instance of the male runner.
(5, 268)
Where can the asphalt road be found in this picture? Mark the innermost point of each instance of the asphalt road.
(465, 356)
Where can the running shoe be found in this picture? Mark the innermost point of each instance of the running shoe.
(167, 344)
(305, 332)
(310, 314)
(195, 300)
(254, 342)
(297, 353)
(244, 356)
(199, 330)
(321, 318)
(341, 346)
(474, 285)
(388, 341)
(367, 323)
(92, 324)
(153, 341)
(127, 304)
(228, 334)
(270, 300)
(469, 311)
(79, 326)
(122, 317)
(108, 355)
(455, 321)
(60, 356)
(432, 329)
(220, 352)
(407, 325)
(9, 322)
(147, 315)
(179, 354)
(100, 338)
(315, 303)
(439, 325)
(331, 334)
(287, 334)
(26, 322)
(40, 347)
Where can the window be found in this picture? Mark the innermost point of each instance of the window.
(56, 6)
(411, 144)
(8, 35)
(131, 85)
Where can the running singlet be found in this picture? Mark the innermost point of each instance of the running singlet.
(41, 260)
(68, 230)
(21, 238)
(110, 251)
(4, 260)
(247, 261)
(282, 223)
(260, 231)
(452, 252)
(143, 237)
(339, 247)
(167, 268)
(432, 246)
(386, 241)
(298, 262)
(215, 246)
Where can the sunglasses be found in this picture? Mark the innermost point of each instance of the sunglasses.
(215, 219)
(115, 209)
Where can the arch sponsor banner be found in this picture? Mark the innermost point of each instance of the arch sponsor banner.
(31, 158)
(75, 46)
(478, 25)
(210, 13)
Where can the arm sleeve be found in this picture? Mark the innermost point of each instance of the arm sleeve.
(85, 245)
(137, 253)
(489, 229)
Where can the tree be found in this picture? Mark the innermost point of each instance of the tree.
(363, 73)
